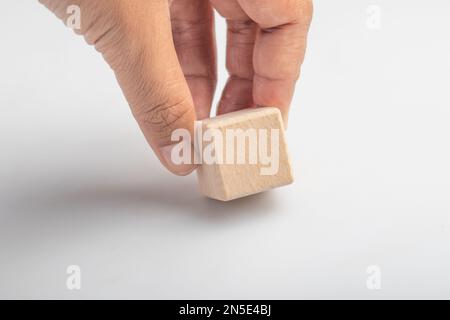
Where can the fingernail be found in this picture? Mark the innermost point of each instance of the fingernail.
(179, 169)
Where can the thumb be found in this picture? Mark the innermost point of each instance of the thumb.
(135, 38)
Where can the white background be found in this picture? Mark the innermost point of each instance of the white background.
(369, 137)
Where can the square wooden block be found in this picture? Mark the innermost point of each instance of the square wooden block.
(243, 153)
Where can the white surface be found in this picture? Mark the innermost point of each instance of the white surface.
(369, 138)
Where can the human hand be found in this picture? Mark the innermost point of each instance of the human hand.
(163, 55)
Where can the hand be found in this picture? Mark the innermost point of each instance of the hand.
(163, 56)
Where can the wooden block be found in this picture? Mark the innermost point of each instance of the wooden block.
(243, 153)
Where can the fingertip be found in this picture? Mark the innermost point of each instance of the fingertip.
(170, 159)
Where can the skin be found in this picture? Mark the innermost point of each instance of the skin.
(163, 55)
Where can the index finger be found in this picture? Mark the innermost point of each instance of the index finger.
(279, 49)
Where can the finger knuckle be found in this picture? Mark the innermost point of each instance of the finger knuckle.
(164, 117)
(244, 27)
